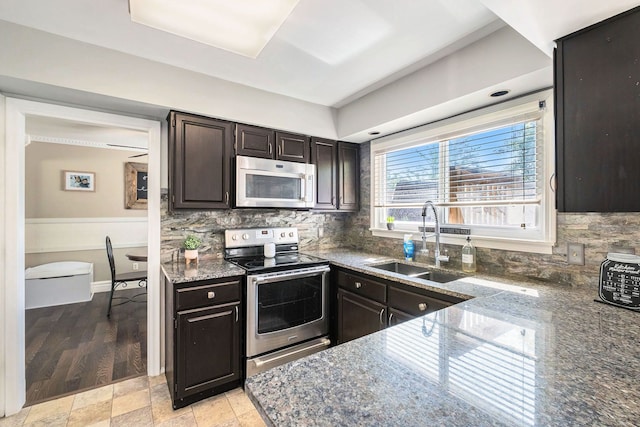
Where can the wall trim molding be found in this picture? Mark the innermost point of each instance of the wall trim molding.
(47, 235)
(97, 220)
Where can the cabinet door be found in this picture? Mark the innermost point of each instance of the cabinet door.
(201, 152)
(324, 154)
(358, 316)
(208, 348)
(597, 111)
(254, 141)
(348, 176)
(396, 316)
(414, 304)
(292, 147)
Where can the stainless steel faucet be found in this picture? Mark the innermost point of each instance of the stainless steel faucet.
(437, 255)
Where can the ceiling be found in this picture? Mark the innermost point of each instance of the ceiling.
(328, 52)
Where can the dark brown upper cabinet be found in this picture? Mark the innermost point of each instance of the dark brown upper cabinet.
(292, 147)
(255, 141)
(598, 117)
(348, 176)
(324, 154)
(200, 162)
(337, 174)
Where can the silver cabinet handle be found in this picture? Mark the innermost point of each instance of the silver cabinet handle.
(237, 315)
(422, 306)
(390, 317)
(226, 197)
(211, 295)
(358, 285)
(279, 150)
(270, 149)
(381, 313)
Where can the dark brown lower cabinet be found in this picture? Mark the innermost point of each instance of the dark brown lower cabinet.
(358, 316)
(203, 339)
(368, 304)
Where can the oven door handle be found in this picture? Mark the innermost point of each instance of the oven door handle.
(265, 360)
(258, 279)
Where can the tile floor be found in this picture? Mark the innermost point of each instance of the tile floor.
(139, 402)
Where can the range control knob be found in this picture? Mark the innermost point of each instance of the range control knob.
(283, 234)
(234, 237)
(245, 236)
(291, 234)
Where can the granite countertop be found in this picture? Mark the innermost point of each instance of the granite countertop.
(207, 268)
(515, 354)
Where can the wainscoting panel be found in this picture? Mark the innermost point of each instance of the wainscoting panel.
(44, 235)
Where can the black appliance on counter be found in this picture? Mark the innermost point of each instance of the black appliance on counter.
(287, 296)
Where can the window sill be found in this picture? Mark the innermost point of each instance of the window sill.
(501, 243)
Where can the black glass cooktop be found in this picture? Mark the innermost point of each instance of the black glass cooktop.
(279, 262)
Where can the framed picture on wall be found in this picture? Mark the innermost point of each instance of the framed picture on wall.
(135, 185)
(79, 181)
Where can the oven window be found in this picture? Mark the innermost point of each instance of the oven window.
(273, 187)
(289, 303)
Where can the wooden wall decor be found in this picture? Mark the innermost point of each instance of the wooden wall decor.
(135, 185)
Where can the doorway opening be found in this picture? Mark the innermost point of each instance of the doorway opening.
(70, 343)
(18, 113)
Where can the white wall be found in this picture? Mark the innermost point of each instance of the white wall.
(3, 302)
(46, 58)
(452, 85)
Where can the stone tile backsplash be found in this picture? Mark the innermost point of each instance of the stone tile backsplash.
(600, 233)
(318, 231)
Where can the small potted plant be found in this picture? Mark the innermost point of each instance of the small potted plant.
(191, 245)
(390, 221)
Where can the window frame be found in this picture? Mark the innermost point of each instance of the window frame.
(540, 240)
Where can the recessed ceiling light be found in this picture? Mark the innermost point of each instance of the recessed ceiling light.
(240, 26)
(374, 132)
(499, 93)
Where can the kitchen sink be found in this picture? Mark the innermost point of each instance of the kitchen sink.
(418, 272)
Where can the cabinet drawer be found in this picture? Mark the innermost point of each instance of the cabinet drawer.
(363, 286)
(207, 294)
(413, 303)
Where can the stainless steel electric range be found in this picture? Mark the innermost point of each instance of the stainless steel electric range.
(287, 296)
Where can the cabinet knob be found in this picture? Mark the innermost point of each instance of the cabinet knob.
(358, 285)
(422, 306)
(211, 295)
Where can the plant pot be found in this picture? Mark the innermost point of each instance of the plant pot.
(191, 255)
(390, 226)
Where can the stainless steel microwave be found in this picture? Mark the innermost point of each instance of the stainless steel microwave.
(274, 184)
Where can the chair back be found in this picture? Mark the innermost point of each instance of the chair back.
(112, 263)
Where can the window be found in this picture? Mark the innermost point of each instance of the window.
(485, 171)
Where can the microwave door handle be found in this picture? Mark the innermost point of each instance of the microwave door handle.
(303, 187)
(310, 197)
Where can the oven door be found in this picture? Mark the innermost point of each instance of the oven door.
(273, 183)
(286, 307)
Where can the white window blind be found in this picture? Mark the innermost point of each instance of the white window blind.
(491, 175)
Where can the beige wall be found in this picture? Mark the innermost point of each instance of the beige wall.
(45, 198)
(44, 194)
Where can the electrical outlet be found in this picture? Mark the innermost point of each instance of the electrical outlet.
(135, 265)
(575, 253)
